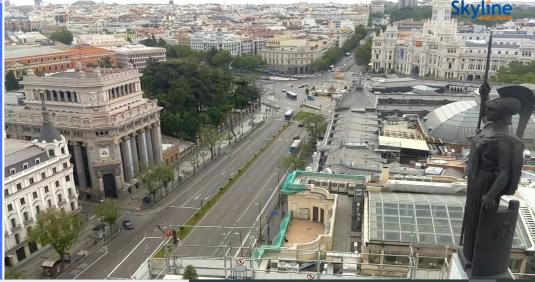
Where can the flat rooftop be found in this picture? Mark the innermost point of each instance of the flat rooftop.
(302, 231)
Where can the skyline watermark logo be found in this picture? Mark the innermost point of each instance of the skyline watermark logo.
(482, 11)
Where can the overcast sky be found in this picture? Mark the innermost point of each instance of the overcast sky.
(30, 2)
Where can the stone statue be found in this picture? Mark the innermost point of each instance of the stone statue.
(494, 169)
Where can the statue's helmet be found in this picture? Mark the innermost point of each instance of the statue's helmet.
(506, 105)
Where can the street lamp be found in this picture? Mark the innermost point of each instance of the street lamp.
(259, 221)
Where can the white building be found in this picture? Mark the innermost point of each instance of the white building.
(439, 51)
(205, 41)
(38, 176)
(100, 40)
(138, 55)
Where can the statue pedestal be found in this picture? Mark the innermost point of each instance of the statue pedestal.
(457, 270)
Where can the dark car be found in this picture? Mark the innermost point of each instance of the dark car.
(127, 225)
(300, 124)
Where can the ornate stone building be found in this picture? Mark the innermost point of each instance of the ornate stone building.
(113, 131)
(438, 50)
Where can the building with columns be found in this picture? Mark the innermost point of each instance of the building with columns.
(113, 131)
(38, 176)
(438, 50)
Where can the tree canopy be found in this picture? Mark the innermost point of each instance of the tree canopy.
(417, 13)
(12, 83)
(363, 55)
(517, 73)
(194, 95)
(63, 36)
(56, 228)
(190, 273)
(108, 211)
(248, 62)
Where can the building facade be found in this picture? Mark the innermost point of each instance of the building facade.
(113, 131)
(138, 55)
(38, 176)
(205, 41)
(40, 59)
(439, 51)
(293, 56)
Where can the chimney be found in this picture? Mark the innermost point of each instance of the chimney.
(385, 175)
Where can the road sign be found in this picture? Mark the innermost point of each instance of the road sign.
(168, 232)
(240, 261)
(311, 276)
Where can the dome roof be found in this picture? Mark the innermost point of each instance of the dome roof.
(456, 123)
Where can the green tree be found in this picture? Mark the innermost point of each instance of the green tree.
(106, 62)
(63, 36)
(221, 59)
(516, 73)
(164, 175)
(56, 228)
(12, 83)
(248, 62)
(108, 211)
(363, 55)
(417, 13)
(293, 162)
(190, 273)
(209, 137)
(316, 127)
(149, 182)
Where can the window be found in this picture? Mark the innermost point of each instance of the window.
(65, 165)
(26, 216)
(57, 183)
(54, 170)
(67, 178)
(6, 192)
(31, 180)
(51, 153)
(9, 207)
(62, 150)
(37, 210)
(25, 166)
(49, 203)
(17, 238)
(60, 198)
(13, 223)
(43, 175)
(34, 194)
(70, 191)
(46, 189)
(12, 171)
(37, 161)
(19, 186)
(22, 201)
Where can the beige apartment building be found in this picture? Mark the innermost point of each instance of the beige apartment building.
(293, 56)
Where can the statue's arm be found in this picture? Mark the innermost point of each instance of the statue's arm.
(505, 158)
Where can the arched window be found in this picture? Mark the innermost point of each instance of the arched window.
(75, 97)
(47, 95)
(61, 96)
(54, 95)
(69, 96)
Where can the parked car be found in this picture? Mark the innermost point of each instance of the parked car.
(128, 225)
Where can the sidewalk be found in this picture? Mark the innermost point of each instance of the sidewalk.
(31, 268)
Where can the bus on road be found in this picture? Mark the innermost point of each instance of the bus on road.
(288, 114)
(291, 95)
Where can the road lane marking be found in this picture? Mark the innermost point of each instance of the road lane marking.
(90, 265)
(126, 257)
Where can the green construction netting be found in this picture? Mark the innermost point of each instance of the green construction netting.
(291, 185)
(278, 241)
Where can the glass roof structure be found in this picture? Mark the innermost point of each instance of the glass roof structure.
(422, 219)
(456, 122)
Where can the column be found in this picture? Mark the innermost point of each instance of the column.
(127, 160)
(157, 144)
(149, 146)
(79, 165)
(142, 144)
(135, 160)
